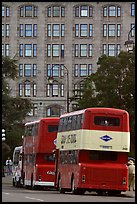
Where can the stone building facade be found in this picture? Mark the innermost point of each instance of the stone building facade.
(61, 41)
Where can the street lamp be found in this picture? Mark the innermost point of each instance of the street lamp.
(51, 80)
(130, 43)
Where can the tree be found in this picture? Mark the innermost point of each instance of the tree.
(14, 109)
(113, 85)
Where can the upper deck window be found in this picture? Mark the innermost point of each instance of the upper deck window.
(106, 121)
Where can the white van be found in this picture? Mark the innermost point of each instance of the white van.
(17, 166)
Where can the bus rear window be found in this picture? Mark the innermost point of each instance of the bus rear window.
(103, 155)
(106, 121)
(52, 128)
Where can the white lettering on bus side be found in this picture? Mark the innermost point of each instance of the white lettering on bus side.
(67, 139)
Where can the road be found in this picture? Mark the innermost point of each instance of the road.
(13, 194)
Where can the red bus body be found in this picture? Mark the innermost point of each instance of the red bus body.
(93, 156)
(38, 157)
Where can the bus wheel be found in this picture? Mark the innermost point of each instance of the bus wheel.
(113, 192)
(100, 192)
(61, 190)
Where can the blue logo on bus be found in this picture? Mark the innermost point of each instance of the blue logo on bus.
(106, 138)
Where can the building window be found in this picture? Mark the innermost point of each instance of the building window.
(28, 11)
(90, 50)
(21, 30)
(49, 11)
(55, 50)
(27, 88)
(112, 11)
(34, 70)
(62, 11)
(28, 30)
(90, 30)
(83, 70)
(104, 30)
(76, 30)
(56, 11)
(27, 70)
(7, 11)
(76, 70)
(118, 30)
(83, 30)
(7, 50)
(76, 50)
(89, 69)
(48, 90)
(62, 90)
(62, 30)
(111, 30)
(77, 11)
(55, 30)
(49, 50)
(118, 11)
(53, 111)
(21, 70)
(49, 30)
(111, 50)
(34, 50)
(34, 111)
(105, 11)
(62, 50)
(3, 30)
(55, 90)
(20, 90)
(21, 50)
(7, 30)
(55, 70)
(132, 9)
(104, 49)
(35, 30)
(34, 89)
(83, 11)
(3, 11)
(83, 50)
(118, 49)
(2, 49)
(28, 50)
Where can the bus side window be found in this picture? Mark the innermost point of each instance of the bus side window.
(69, 123)
(73, 122)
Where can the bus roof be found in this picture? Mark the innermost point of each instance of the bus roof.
(94, 109)
(42, 119)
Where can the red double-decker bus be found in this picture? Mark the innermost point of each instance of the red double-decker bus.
(38, 156)
(92, 151)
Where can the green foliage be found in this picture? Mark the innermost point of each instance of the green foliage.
(113, 85)
(14, 109)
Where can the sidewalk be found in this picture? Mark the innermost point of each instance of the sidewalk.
(8, 180)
